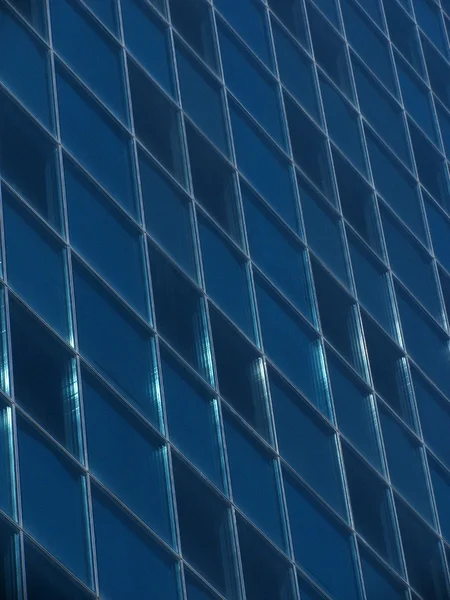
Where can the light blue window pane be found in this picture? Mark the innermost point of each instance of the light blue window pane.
(257, 495)
(24, 67)
(296, 71)
(405, 462)
(36, 265)
(277, 253)
(168, 215)
(150, 572)
(395, 185)
(310, 523)
(251, 85)
(302, 435)
(248, 18)
(192, 418)
(411, 264)
(105, 74)
(114, 342)
(54, 508)
(226, 277)
(147, 38)
(96, 142)
(105, 239)
(343, 124)
(323, 231)
(134, 470)
(202, 98)
(292, 346)
(354, 410)
(265, 167)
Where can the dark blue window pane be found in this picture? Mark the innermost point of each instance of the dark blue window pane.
(291, 14)
(257, 495)
(277, 253)
(440, 232)
(302, 434)
(36, 265)
(248, 18)
(309, 523)
(105, 239)
(136, 475)
(96, 141)
(204, 529)
(25, 70)
(296, 71)
(45, 382)
(251, 85)
(149, 571)
(104, 74)
(192, 418)
(34, 13)
(147, 37)
(7, 495)
(405, 461)
(379, 583)
(429, 18)
(202, 98)
(266, 574)
(180, 314)
(239, 373)
(105, 11)
(114, 342)
(404, 34)
(264, 167)
(354, 410)
(226, 277)
(53, 512)
(441, 486)
(167, 214)
(292, 346)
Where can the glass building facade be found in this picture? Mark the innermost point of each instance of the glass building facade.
(224, 299)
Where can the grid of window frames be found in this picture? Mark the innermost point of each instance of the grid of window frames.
(225, 299)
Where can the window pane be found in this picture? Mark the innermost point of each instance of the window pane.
(138, 475)
(105, 239)
(115, 343)
(36, 265)
(54, 508)
(149, 571)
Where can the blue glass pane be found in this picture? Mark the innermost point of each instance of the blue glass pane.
(292, 346)
(257, 495)
(302, 434)
(25, 71)
(114, 342)
(7, 496)
(441, 486)
(150, 571)
(105, 239)
(96, 141)
(309, 523)
(147, 37)
(202, 98)
(55, 512)
(104, 74)
(105, 11)
(167, 214)
(264, 167)
(192, 418)
(137, 476)
(226, 277)
(379, 583)
(251, 85)
(277, 253)
(36, 265)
